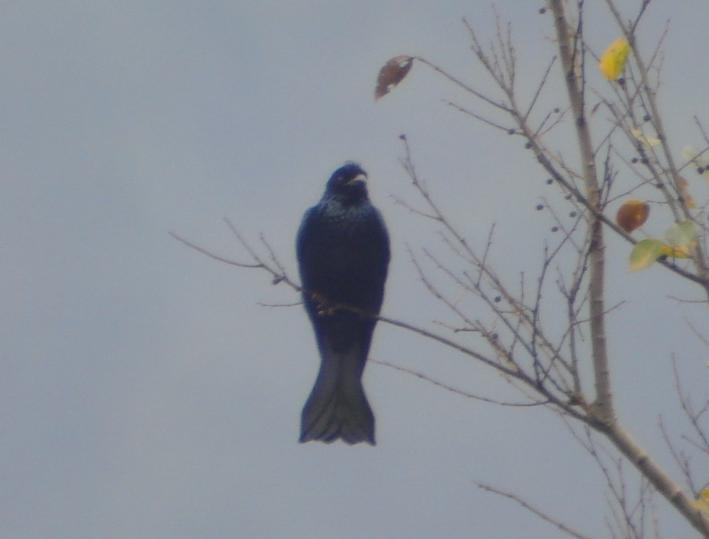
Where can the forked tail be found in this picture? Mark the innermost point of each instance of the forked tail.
(337, 406)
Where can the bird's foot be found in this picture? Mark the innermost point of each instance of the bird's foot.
(323, 306)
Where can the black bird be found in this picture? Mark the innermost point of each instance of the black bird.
(343, 256)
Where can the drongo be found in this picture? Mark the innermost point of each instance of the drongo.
(343, 256)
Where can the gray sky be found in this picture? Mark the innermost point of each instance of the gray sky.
(144, 394)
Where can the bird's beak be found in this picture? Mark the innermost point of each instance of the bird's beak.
(359, 178)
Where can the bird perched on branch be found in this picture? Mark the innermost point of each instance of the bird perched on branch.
(343, 256)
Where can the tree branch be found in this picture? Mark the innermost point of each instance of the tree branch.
(541, 514)
(604, 398)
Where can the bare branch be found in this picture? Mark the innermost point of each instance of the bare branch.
(529, 507)
(455, 390)
(604, 397)
(540, 87)
(463, 85)
(215, 256)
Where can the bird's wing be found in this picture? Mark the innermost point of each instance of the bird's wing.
(307, 246)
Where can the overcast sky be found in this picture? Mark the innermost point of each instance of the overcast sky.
(145, 394)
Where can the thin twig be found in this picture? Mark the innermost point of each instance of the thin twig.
(210, 254)
(455, 390)
(529, 507)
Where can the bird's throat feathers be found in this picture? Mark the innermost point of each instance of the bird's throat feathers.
(336, 209)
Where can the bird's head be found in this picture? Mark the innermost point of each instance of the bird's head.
(348, 184)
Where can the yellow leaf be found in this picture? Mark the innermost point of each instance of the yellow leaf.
(644, 254)
(690, 153)
(702, 501)
(681, 240)
(613, 59)
(675, 252)
(682, 234)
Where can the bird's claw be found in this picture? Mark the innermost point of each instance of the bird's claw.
(322, 305)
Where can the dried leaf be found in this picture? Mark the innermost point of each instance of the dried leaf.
(683, 186)
(392, 74)
(632, 214)
(613, 60)
(646, 140)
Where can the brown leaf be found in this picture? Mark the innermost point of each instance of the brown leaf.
(683, 187)
(632, 214)
(392, 74)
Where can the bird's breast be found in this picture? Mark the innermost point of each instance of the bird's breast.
(344, 253)
(349, 263)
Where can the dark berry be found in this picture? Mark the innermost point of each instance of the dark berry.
(542, 10)
(700, 170)
(646, 118)
(528, 145)
(550, 181)
(540, 207)
(498, 299)
(511, 131)
(572, 214)
(634, 160)
(557, 110)
(555, 229)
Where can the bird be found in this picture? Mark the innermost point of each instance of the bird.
(343, 258)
